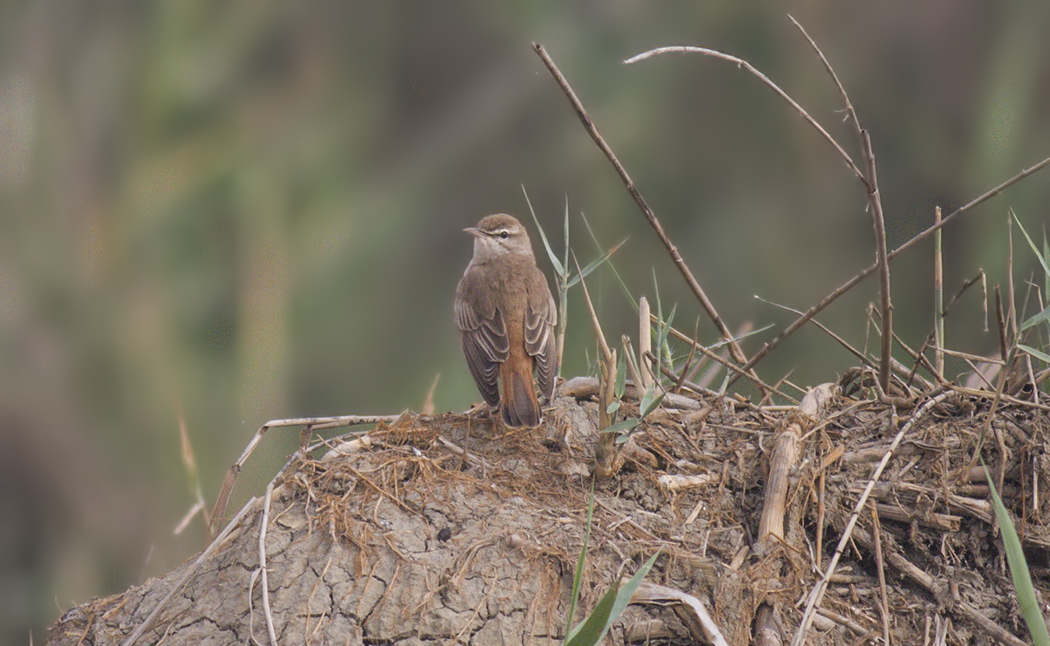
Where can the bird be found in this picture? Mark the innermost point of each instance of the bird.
(506, 316)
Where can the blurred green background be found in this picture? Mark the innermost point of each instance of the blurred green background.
(229, 212)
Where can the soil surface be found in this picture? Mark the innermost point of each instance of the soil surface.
(453, 529)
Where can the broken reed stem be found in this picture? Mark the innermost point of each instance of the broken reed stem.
(606, 352)
(938, 296)
(852, 282)
(663, 596)
(738, 354)
(984, 293)
(875, 202)
(428, 402)
(606, 455)
(782, 463)
(973, 357)
(984, 394)
(262, 565)
(817, 593)
(561, 348)
(1004, 349)
(632, 366)
(962, 290)
(936, 335)
(645, 342)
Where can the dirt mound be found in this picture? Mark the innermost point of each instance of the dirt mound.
(450, 529)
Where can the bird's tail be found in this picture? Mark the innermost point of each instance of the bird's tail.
(519, 404)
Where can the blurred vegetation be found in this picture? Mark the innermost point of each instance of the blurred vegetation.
(237, 211)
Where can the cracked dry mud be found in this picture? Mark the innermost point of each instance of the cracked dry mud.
(447, 530)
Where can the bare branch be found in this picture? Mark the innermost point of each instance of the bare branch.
(879, 220)
(852, 282)
(262, 564)
(738, 354)
(871, 185)
(686, 49)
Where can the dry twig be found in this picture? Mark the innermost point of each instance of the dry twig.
(739, 62)
(852, 282)
(709, 307)
(766, 388)
(882, 263)
(309, 424)
(871, 187)
(659, 594)
(262, 565)
(938, 297)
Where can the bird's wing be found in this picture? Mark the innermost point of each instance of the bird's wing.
(541, 315)
(485, 345)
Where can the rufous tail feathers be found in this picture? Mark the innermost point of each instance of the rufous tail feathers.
(519, 404)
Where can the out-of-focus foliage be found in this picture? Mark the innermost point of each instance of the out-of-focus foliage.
(236, 211)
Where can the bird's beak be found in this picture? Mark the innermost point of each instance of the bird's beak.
(474, 231)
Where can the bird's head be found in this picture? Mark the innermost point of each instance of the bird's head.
(498, 235)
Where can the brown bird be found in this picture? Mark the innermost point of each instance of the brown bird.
(506, 314)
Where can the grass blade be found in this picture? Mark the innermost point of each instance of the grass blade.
(650, 401)
(593, 628)
(1026, 598)
(1036, 320)
(559, 268)
(722, 342)
(623, 285)
(623, 598)
(621, 375)
(661, 338)
(1045, 262)
(624, 425)
(577, 576)
(609, 609)
(1038, 354)
(586, 271)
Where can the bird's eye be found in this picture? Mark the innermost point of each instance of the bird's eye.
(504, 234)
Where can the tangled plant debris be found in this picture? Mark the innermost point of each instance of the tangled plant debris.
(433, 529)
